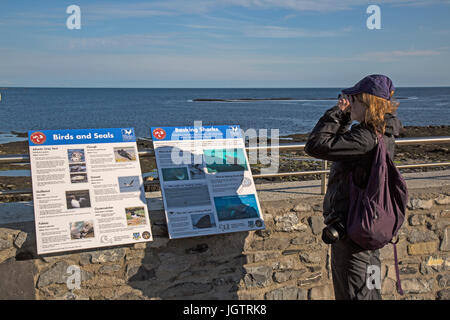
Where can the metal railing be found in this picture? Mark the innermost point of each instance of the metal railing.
(23, 158)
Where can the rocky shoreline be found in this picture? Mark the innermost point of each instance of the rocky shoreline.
(290, 161)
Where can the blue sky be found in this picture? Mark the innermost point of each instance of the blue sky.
(223, 43)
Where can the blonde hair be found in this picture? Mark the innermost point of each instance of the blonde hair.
(376, 108)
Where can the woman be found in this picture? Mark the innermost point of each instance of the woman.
(370, 103)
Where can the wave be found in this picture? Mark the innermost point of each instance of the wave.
(406, 98)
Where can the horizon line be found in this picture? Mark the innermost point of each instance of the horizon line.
(327, 87)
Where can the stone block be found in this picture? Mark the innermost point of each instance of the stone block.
(387, 252)
(276, 243)
(17, 280)
(7, 234)
(20, 239)
(139, 273)
(310, 279)
(443, 280)
(318, 207)
(262, 256)
(287, 293)
(85, 258)
(409, 269)
(316, 224)
(289, 223)
(107, 269)
(422, 248)
(432, 264)
(59, 274)
(416, 235)
(415, 204)
(302, 207)
(443, 294)
(321, 293)
(258, 276)
(70, 296)
(263, 233)
(390, 272)
(51, 259)
(417, 220)
(303, 240)
(389, 286)
(445, 243)
(417, 285)
(5, 254)
(314, 257)
(254, 245)
(5, 244)
(442, 200)
(445, 213)
(112, 255)
(140, 245)
(285, 265)
(439, 225)
(135, 254)
(286, 275)
(131, 296)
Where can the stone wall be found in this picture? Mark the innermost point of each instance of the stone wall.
(288, 260)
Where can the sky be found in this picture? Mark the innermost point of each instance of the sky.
(223, 43)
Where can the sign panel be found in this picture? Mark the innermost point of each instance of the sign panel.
(88, 189)
(205, 179)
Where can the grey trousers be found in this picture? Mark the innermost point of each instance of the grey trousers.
(349, 266)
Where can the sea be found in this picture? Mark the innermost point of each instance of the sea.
(23, 109)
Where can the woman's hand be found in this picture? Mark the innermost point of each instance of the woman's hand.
(344, 103)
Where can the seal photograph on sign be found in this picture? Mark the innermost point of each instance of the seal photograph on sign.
(79, 178)
(78, 167)
(125, 154)
(76, 155)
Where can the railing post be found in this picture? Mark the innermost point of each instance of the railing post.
(323, 186)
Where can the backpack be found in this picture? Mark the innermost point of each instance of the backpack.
(377, 212)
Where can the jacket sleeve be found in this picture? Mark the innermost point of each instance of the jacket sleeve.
(331, 140)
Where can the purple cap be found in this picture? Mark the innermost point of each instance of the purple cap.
(375, 84)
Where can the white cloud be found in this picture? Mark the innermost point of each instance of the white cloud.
(297, 5)
(148, 9)
(198, 26)
(283, 32)
(325, 5)
(387, 56)
(201, 7)
(127, 42)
